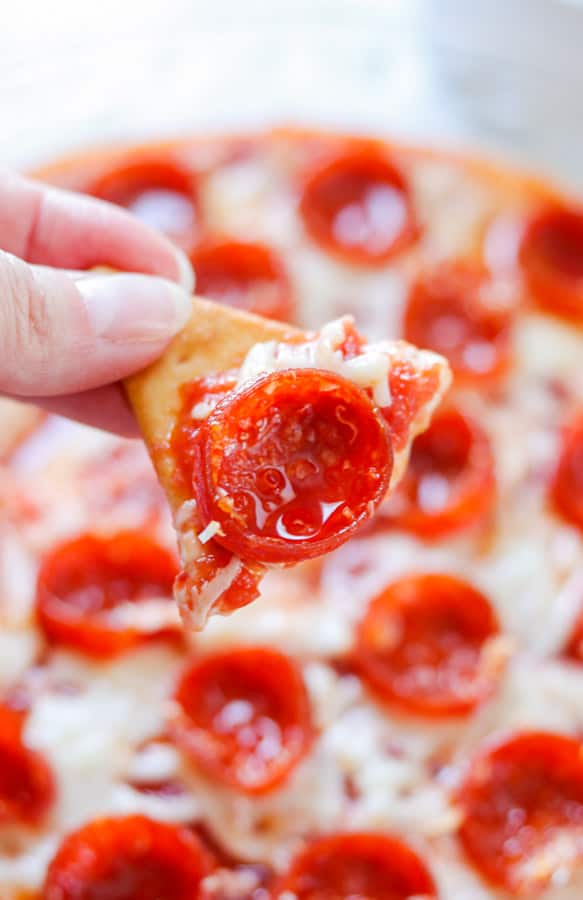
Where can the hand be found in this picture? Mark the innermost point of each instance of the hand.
(67, 337)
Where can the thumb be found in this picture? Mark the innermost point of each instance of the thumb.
(60, 336)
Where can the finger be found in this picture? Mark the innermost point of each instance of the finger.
(104, 407)
(61, 337)
(58, 228)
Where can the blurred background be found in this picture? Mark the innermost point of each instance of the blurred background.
(502, 75)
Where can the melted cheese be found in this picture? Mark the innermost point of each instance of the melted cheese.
(369, 370)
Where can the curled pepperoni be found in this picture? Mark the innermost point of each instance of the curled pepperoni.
(86, 585)
(244, 717)
(27, 787)
(551, 258)
(156, 189)
(421, 645)
(522, 807)
(247, 276)
(126, 859)
(450, 481)
(291, 465)
(566, 490)
(197, 399)
(358, 208)
(455, 309)
(347, 866)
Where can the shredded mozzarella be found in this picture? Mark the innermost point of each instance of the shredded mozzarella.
(368, 370)
(212, 529)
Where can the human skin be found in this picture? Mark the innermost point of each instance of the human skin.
(67, 335)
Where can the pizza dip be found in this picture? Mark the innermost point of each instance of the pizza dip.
(398, 716)
(283, 457)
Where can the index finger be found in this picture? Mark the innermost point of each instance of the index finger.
(54, 227)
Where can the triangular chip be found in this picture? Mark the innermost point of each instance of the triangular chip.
(274, 446)
(18, 421)
(216, 339)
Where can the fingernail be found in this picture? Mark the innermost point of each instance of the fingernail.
(134, 307)
(186, 276)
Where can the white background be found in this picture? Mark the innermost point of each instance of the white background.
(506, 75)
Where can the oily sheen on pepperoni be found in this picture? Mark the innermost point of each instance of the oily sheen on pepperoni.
(244, 717)
(420, 645)
(27, 787)
(357, 207)
(291, 465)
(566, 490)
(449, 483)
(551, 259)
(83, 582)
(347, 866)
(244, 275)
(522, 808)
(454, 309)
(157, 189)
(127, 858)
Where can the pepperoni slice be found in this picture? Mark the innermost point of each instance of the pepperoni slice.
(126, 859)
(351, 866)
(358, 208)
(244, 717)
(450, 481)
(197, 399)
(421, 645)
(247, 276)
(27, 787)
(156, 189)
(291, 465)
(86, 584)
(551, 258)
(566, 490)
(522, 806)
(456, 310)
